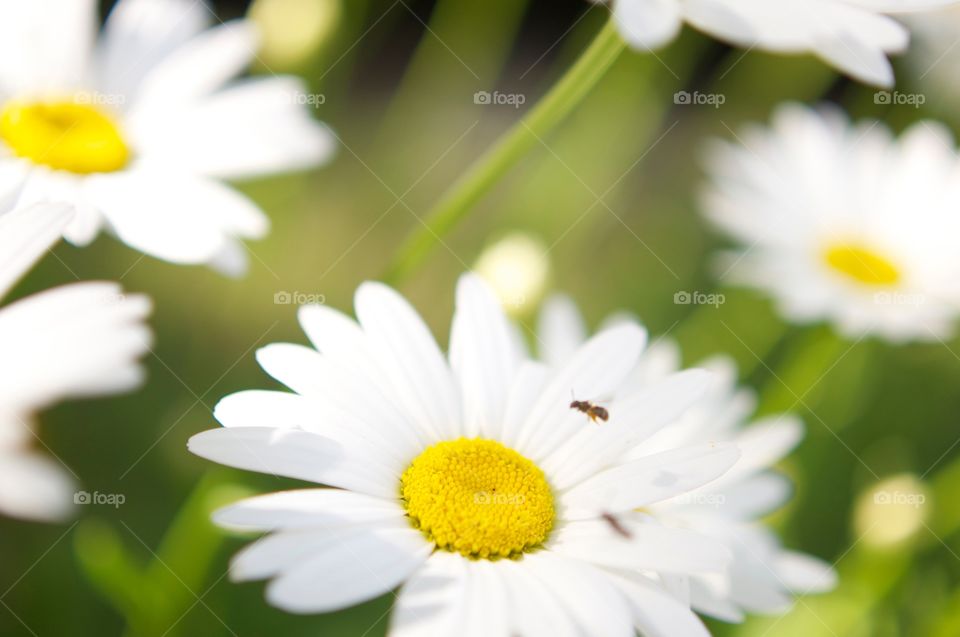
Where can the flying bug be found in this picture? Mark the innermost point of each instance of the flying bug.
(616, 525)
(594, 412)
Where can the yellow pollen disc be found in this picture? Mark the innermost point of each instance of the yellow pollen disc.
(861, 264)
(478, 498)
(64, 135)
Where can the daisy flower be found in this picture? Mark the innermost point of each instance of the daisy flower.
(852, 35)
(762, 576)
(76, 340)
(137, 127)
(467, 480)
(844, 223)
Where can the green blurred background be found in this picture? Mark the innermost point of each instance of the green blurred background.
(611, 194)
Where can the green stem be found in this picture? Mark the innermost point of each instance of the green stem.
(154, 593)
(568, 93)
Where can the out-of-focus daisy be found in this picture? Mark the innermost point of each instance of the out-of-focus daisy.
(844, 223)
(137, 127)
(892, 511)
(466, 479)
(762, 576)
(517, 268)
(852, 35)
(76, 340)
(293, 30)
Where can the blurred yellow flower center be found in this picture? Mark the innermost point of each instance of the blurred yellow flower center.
(478, 498)
(64, 135)
(861, 264)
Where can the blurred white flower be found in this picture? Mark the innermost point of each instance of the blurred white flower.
(844, 223)
(851, 35)
(75, 340)
(762, 576)
(293, 30)
(517, 268)
(468, 480)
(892, 511)
(136, 128)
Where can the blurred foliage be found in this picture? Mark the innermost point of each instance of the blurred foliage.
(612, 193)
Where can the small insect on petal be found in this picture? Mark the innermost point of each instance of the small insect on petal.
(594, 412)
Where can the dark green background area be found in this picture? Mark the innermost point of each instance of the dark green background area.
(400, 99)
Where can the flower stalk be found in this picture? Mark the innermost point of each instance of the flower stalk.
(513, 145)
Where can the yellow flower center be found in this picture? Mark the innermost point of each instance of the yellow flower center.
(861, 264)
(65, 135)
(478, 498)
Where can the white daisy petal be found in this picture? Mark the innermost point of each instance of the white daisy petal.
(431, 602)
(486, 609)
(765, 443)
(535, 611)
(307, 508)
(861, 60)
(358, 566)
(585, 592)
(25, 235)
(345, 397)
(658, 614)
(294, 454)
(650, 547)
(92, 330)
(387, 449)
(178, 218)
(560, 330)
(803, 574)
(633, 419)
(648, 480)
(482, 356)
(408, 355)
(530, 380)
(139, 34)
(214, 136)
(264, 408)
(58, 34)
(592, 374)
(647, 24)
(747, 499)
(898, 6)
(34, 487)
(195, 69)
(853, 35)
(714, 601)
